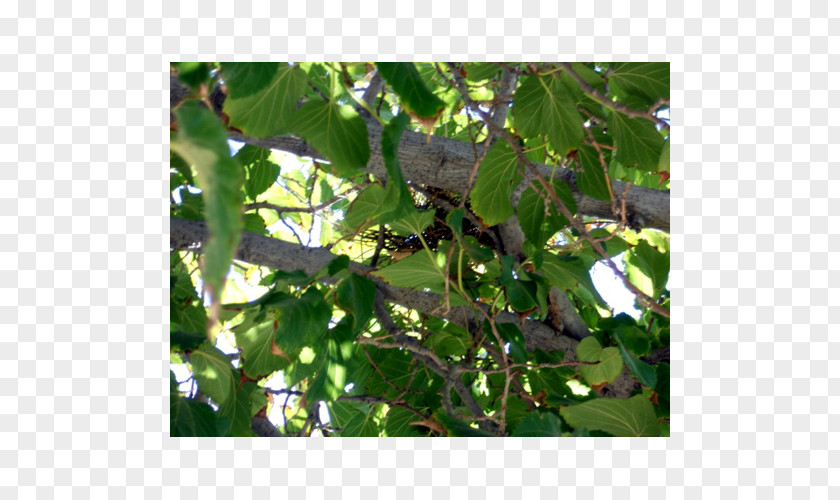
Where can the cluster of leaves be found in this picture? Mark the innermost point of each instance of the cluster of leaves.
(389, 370)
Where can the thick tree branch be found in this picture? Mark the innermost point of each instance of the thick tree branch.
(447, 163)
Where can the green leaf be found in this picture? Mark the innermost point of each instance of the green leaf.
(648, 268)
(302, 322)
(522, 295)
(405, 80)
(570, 274)
(185, 341)
(449, 343)
(510, 334)
(188, 417)
(331, 379)
(397, 198)
(338, 264)
(268, 111)
(355, 294)
(413, 223)
(638, 368)
(366, 206)
(398, 423)
(542, 105)
(214, 373)
(663, 389)
(591, 180)
(540, 424)
(665, 158)
(262, 172)
(531, 213)
(651, 80)
(459, 428)
(193, 74)
(633, 338)
(497, 177)
(244, 79)
(255, 343)
(235, 417)
(637, 142)
(632, 417)
(354, 419)
(477, 72)
(419, 270)
(609, 361)
(202, 142)
(336, 131)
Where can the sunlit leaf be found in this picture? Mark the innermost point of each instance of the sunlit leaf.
(214, 373)
(497, 177)
(269, 110)
(418, 270)
(620, 417)
(336, 131)
(355, 294)
(651, 80)
(637, 142)
(542, 105)
(244, 79)
(609, 361)
(571, 274)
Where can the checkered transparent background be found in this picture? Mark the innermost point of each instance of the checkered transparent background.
(83, 236)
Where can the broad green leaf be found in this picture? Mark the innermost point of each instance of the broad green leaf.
(214, 373)
(398, 423)
(592, 77)
(665, 157)
(330, 380)
(398, 199)
(477, 72)
(648, 268)
(542, 105)
(337, 265)
(571, 274)
(353, 419)
(301, 322)
(632, 417)
(188, 417)
(254, 223)
(255, 343)
(522, 295)
(355, 294)
(404, 78)
(413, 223)
(459, 428)
(268, 111)
(202, 142)
(235, 417)
(651, 80)
(262, 172)
(366, 206)
(419, 270)
(244, 79)
(446, 343)
(540, 424)
(638, 368)
(591, 179)
(609, 362)
(633, 338)
(531, 213)
(336, 131)
(637, 142)
(497, 177)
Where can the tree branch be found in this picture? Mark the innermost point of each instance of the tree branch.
(447, 163)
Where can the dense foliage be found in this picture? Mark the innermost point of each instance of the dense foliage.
(405, 249)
